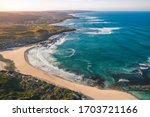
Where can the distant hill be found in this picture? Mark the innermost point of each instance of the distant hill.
(32, 17)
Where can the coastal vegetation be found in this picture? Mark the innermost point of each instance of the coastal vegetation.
(16, 86)
(20, 35)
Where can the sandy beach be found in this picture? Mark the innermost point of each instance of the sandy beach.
(18, 57)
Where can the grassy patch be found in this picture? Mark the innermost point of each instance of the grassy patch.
(21, 35)
(20, 31)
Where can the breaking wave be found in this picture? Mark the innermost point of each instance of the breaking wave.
(41, 57)
(96, 31)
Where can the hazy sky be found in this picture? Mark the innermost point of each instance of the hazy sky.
(34, 5)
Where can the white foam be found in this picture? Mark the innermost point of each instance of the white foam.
(90, 17)
(123, 80)
(73, 51)
(98, 22)
(145, 66)
(41, 58)
(60, 41)
(96, 31)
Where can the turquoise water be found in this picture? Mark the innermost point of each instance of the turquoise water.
(112, 45)
(142, 95)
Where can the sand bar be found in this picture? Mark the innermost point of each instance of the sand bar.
(17, 55)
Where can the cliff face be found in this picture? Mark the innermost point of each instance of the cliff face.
(17, 86)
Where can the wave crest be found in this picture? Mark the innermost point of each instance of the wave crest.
(96, 31)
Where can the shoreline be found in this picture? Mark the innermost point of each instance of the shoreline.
(37, 56)
(22, 66)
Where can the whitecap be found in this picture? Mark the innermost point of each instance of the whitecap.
(90, 17)
(96, 31)
(98, 22)
(144, 66)
(123, 80)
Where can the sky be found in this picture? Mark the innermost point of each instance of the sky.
(101, 5)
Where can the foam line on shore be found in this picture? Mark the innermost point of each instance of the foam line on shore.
(41, 57)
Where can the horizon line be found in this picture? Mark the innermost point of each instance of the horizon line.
(76, 10)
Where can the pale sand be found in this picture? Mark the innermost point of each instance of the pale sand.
(17, 55)
(2, 65)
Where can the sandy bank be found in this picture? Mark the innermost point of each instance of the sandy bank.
(17, 55)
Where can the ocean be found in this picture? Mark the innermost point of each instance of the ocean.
(114, 46)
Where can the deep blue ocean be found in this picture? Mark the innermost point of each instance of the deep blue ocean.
(113, 45)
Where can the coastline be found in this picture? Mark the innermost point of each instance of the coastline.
(38, 57)
(92, 92)
(18, 57)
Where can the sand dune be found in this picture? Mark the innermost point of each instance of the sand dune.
(17, 55)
